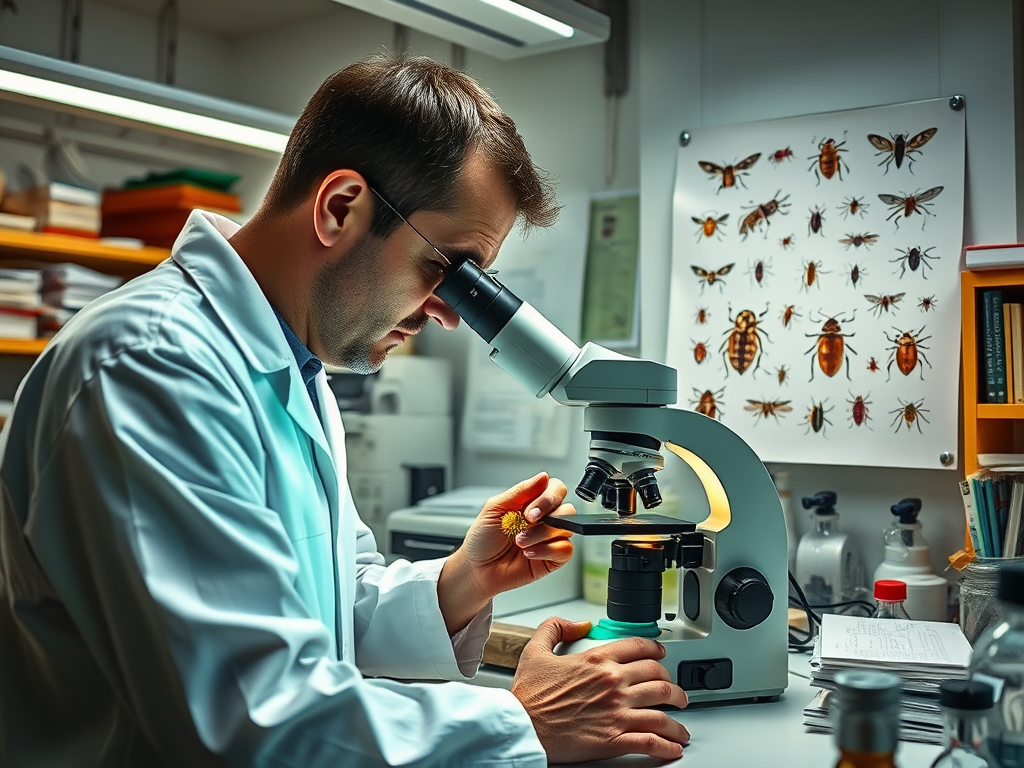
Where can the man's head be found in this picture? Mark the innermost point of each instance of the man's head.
(435, 145)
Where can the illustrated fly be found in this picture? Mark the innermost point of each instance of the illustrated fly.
(905, 206)
(897, 148)
(729, 174)
(710, 278)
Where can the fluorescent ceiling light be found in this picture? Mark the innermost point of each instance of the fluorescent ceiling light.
(65, 85)
(500, 28)
(563, 30)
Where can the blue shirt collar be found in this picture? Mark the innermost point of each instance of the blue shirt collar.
(309, 364)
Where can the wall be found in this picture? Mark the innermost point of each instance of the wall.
(710, 63)
(557, 102)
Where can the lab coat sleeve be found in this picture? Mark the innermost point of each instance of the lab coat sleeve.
(400, 631)
(149, 520)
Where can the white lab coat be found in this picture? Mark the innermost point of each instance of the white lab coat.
(185, 580)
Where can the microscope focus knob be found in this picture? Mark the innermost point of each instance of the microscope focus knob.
(743, 598)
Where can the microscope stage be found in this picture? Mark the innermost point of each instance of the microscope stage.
(619, 525)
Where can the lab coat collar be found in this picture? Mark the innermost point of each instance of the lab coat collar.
(203, 251)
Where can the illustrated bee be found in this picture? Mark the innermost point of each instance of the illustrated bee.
(709, 225)
(880, 303)
(899, 148)
(768, 408)
(909, 204)
(710, 278)
(729, 174)
(866, 239)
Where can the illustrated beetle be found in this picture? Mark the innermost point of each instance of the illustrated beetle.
(815, 224)
(708, 403)
(810, 272)
(883, 302)
(831, 349)
(783, 373)
(768, 408)
(816, 418)
(859, 410)
(700, 351)
(761, 213)
(913, 258)
(788, 314)
(729, 174)
(828, 162)
(898, 147)
(906, 350)
(857, 241)
(927, 303)
(873, 365)
(856, 273)
(853, 206)
(759, 270)
(781, 154)
(910, 413)
(709, 225)
(712, 277)
(702, 315)
(909, 204)
(743, 342)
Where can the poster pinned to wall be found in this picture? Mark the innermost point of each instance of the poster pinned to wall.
(611, 281)
(814, 305)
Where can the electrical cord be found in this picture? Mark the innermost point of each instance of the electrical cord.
(803, 640)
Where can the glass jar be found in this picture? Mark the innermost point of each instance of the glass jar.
(979, 607)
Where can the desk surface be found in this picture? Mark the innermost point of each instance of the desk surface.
(769, 735)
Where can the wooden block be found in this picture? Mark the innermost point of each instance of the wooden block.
(505, 644)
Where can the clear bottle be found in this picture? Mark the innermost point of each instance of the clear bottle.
(828, 567)
(966, 706)
(890, 595)
(998, 659)
(866, 718)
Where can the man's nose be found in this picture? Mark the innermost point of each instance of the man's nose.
(438, 310)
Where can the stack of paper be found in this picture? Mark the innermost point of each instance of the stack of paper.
(922, 653)
(19, 303)
(71, 286)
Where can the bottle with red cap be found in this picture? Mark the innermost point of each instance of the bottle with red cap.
(889, 598)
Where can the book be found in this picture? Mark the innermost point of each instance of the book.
(1013, 524)
(981, 257)
(970, 514)
(17, 221)
(54, 214)
(169, 197)
(994, 353)
(1008, 351)
(984, 534)
(1017, 342)
(991, 517)
(68, 274)
(18, 322)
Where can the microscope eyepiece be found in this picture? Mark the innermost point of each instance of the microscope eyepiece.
(484, 303)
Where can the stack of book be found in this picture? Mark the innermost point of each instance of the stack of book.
(922, 653)
(993, 501)
(154, 210)
(19, 303)
(982, 257)
(72, 286)
(55, 207)
(1002, 349)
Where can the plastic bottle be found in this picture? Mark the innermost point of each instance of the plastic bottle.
(908, 559)
(998, 659)
(889, 598)
(966, 705)
(828, 567)
(866, 718)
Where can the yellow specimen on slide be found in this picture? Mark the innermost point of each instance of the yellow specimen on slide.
(513, 523)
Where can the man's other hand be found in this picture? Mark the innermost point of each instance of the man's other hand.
(597, 704)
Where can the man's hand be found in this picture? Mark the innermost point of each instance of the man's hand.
(488, 562)
(596, 704)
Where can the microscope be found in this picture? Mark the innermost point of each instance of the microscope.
(728, 638)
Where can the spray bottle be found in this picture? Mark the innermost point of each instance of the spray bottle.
(828, 567)
(908, 559)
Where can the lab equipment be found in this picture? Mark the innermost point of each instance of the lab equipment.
(890, 596)
(398, 435)
(908, 559)
(865, 715)
(436, 525)
(727, 637)
(966, 705)
(828, 567)
(998, 659)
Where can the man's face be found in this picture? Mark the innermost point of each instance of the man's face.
(380, 292)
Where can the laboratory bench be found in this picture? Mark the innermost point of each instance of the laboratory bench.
(767, 734)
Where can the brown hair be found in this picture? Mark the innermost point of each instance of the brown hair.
(407, 124)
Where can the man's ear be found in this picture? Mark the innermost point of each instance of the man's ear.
(343, 209)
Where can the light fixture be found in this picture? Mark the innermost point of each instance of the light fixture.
(62, 85)
(505, 29)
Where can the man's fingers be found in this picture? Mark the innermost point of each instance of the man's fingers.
(647, 744)
(644, 670)
(657, 693)
(548, 501)
(651, 721)
(557, 553)
(539, 534)
(554, 631)
(519, 494)
(630, 649)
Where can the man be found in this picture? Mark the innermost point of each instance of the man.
(185, 579)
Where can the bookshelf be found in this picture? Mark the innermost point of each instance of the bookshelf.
(988, 427)
(21, 249)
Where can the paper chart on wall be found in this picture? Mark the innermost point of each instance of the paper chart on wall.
(814, 305)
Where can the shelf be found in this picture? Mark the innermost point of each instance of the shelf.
(22, 346)
(1000, 411)
(41, 246)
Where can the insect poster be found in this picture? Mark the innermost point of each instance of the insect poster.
(814, 306)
